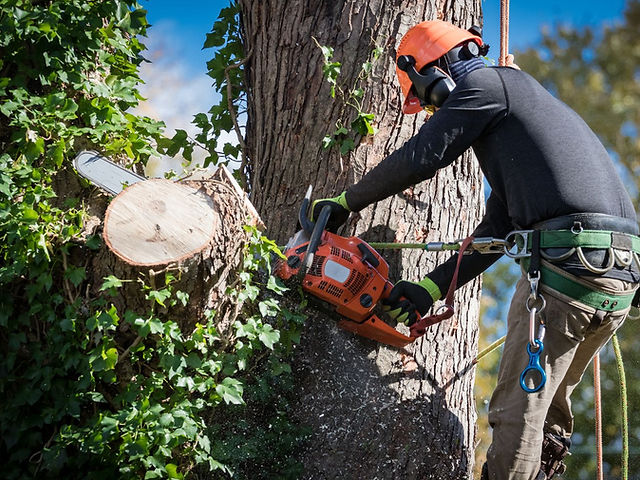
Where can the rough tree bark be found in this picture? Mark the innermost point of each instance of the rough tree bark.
(374, 412)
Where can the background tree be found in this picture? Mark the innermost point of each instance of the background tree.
(372, 412)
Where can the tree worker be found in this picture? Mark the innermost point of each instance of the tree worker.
(550, 176)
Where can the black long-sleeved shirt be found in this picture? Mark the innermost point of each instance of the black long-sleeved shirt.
(539, 157)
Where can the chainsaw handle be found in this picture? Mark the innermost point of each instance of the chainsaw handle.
(387, 291)
(316, 235)
(306, 224)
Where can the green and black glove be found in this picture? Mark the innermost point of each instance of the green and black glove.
(339, 211)
(407, 298)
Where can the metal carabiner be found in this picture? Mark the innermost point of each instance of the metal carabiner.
(533, 365)
(489, 245)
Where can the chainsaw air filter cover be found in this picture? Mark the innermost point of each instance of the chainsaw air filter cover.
(345, 272)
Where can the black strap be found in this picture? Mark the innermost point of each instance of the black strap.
(534, 265)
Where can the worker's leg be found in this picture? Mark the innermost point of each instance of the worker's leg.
(574, 334)
(518, 417)
(559, 419)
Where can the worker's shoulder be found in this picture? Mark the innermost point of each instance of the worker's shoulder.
(500, 80)
(487, 80)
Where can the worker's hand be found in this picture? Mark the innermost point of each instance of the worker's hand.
(407, 298)
(510, 62)
(339, 211)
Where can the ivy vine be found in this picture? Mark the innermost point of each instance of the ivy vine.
(68, 79)
(362, 123)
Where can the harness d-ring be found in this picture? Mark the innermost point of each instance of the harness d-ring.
(533, 366)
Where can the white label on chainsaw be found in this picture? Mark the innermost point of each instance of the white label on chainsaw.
(336, 272)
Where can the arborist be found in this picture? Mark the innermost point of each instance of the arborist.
(553, 182)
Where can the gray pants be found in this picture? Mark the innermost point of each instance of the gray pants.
(573, 336)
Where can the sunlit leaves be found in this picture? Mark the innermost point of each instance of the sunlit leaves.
(362, 125)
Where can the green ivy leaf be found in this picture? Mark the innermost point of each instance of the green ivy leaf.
(172, 471)
(94, 242)
(75, 275)
(159, 296)
(231, 391)
(268, 336)
(110, 282)
(346, 146)
(183, 297)
(110, 358)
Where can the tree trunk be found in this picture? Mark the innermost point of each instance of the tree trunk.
(375, 412)
(192, 230)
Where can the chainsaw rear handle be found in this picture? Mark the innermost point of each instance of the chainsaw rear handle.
(306, 224)
(316, 236)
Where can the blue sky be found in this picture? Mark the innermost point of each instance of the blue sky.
(177, 86)
(193, 19)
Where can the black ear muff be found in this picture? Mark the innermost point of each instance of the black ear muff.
(432, 85)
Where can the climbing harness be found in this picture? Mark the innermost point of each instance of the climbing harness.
(556, 243)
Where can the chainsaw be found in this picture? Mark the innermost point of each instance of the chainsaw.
(344, 274)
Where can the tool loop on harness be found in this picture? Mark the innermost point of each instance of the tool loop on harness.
(623, 259)
(533, 367)
(596, 270)
(557, 258)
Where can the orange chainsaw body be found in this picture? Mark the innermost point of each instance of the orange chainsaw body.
(349, 275)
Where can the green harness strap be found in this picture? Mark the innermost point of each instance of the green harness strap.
(587, 239)
(559, 280)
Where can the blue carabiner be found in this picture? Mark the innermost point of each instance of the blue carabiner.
(534, 364)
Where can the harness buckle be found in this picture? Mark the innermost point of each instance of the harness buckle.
(520, 240)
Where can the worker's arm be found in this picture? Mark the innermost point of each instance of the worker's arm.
(474, 107)
(495, 223)
(408, 297)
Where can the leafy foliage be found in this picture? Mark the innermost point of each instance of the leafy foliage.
(86, 386)
(227, 71)
(362, 124)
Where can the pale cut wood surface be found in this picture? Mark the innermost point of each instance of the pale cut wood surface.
(156, 222)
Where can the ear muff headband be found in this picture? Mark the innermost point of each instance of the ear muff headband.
(431, 84)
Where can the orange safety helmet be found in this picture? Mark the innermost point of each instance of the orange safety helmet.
(427, 42)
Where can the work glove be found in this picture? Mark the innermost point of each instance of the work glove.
(408, 299)
(339, 211)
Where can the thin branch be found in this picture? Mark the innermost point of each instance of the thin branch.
(234, 116)
(134, 344)
(65, 280)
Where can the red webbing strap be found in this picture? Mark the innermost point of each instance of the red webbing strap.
(418, 328)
